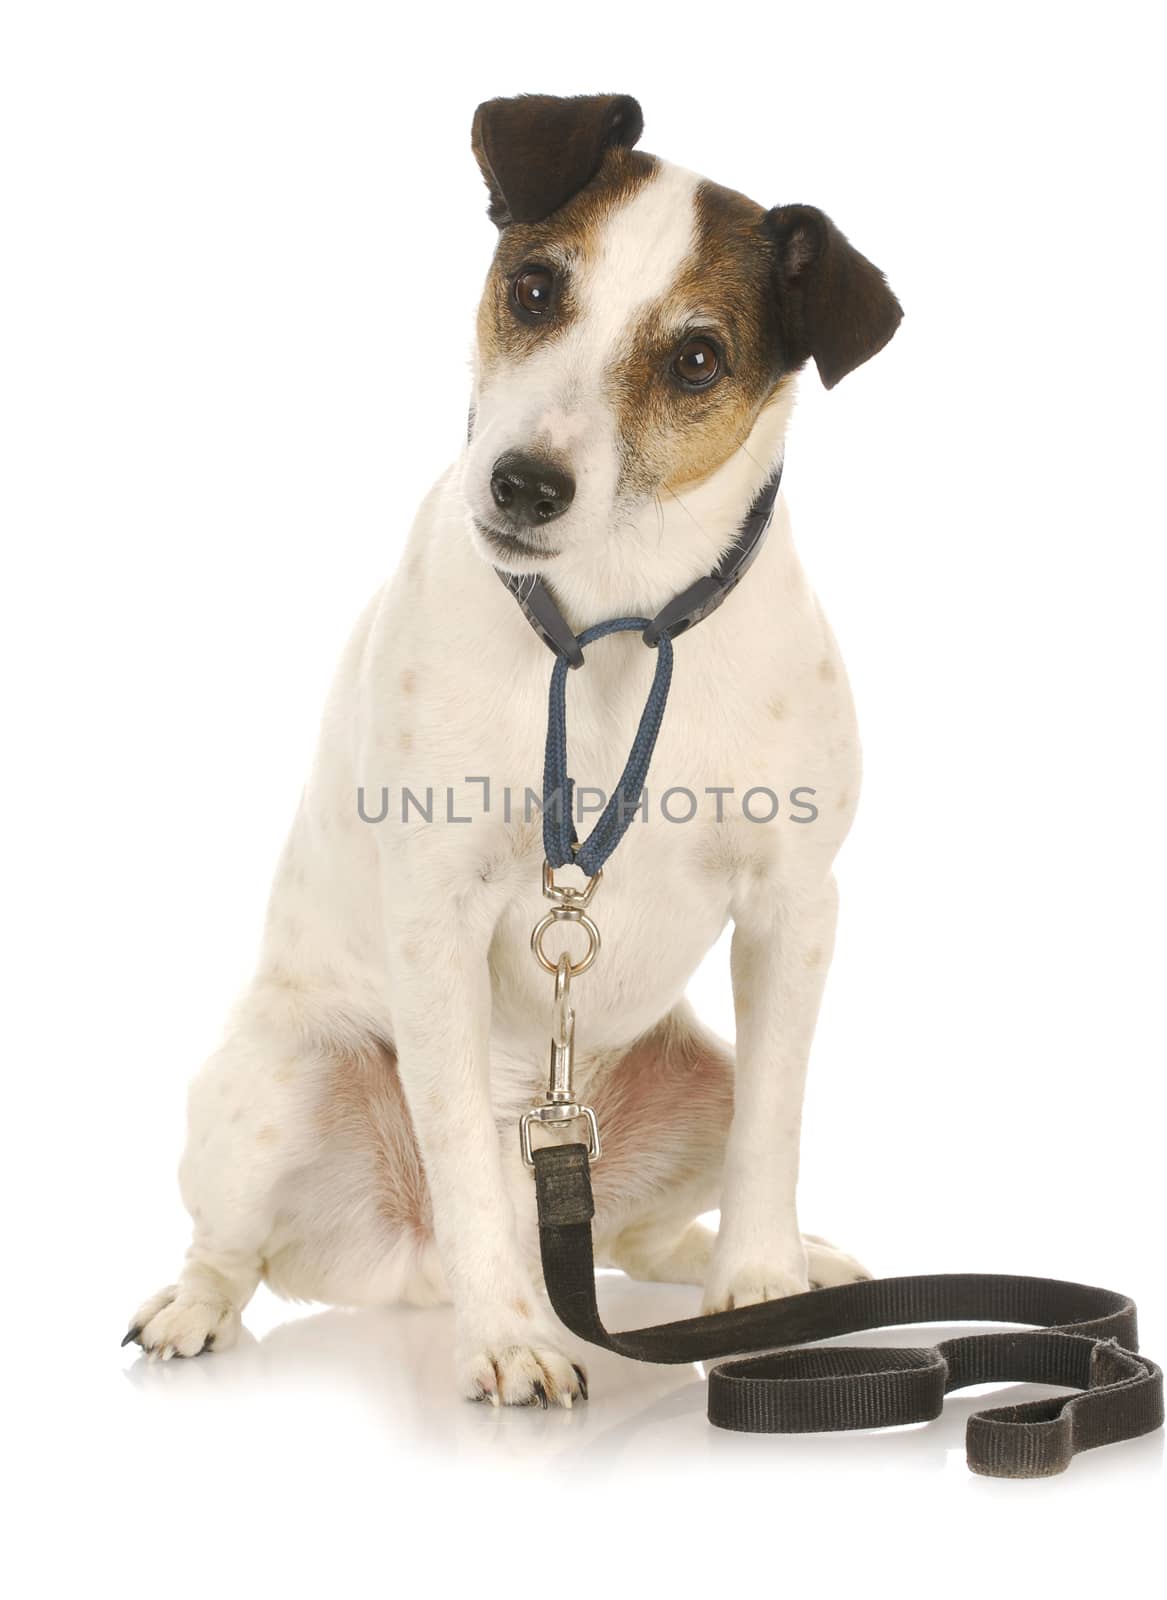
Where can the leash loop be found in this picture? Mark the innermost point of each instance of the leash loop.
(560, 843)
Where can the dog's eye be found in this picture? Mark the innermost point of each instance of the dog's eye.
(532, 290)
(697, 363)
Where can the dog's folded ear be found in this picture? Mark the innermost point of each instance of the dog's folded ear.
(538, 150)
(834, 304)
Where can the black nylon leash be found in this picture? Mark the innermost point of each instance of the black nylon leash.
(1083, 1338)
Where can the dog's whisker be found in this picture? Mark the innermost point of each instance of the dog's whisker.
(684, 508)
(660, 518)
(749, 454)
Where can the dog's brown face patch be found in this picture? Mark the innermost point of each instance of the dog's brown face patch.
(631, 340)
(667, 433)
(564, 243)
(672, 434)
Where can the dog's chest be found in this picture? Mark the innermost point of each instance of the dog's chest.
(659, 907)
(717, 821)
(752, 784)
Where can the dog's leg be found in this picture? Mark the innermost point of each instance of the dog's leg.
(247, 1125)
(664, 1248)
(781, 951)
(506, 1350)
(664, 1115)
(664, 1112)
(655, 1253)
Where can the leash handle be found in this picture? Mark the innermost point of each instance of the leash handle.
(1083, 1338)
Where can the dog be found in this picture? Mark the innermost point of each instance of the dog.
(353, 1140)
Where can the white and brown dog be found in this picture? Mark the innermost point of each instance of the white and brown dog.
(354, 1138)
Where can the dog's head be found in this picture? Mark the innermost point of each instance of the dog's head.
(636, 324)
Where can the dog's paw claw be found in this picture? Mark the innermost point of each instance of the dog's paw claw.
(173, 1324)
(524, 1375)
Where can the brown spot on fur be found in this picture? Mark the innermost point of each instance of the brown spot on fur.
(813, 957)
(664, 1112)
(408, 681)
(827, 670)
(844, 800)
(405, 740)
(664, 1108)
(777, 709)
(521, 1308)
(267, 1135)
(363, 1107)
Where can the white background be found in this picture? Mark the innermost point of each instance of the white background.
(243, 244)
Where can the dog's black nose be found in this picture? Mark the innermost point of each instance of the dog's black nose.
(529, 490)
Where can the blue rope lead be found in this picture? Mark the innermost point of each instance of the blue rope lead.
(559, 837)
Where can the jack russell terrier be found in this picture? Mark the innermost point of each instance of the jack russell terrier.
(353, 1140)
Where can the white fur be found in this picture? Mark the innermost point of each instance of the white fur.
(418, 934)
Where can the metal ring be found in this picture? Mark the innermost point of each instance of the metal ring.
(566, 914)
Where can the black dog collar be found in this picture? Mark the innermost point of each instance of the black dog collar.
(682, 612)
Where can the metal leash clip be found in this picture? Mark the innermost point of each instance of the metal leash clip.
(561, 1107)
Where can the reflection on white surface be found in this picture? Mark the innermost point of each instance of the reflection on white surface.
(329, 1448)
(397, 1366)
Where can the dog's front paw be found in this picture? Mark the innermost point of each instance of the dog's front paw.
(174, 1323)
(520, 1374)
(813, 1264)
(751, 1286)
(749, 1277)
